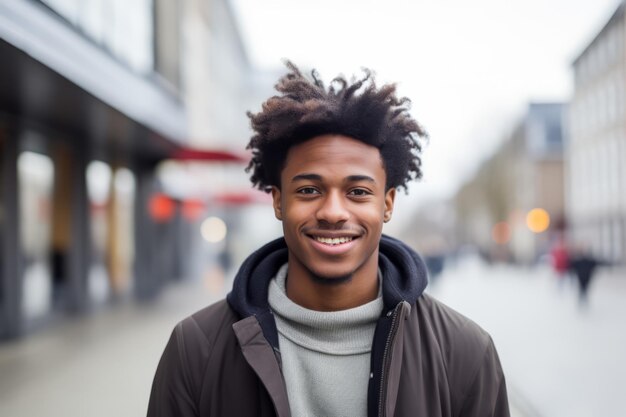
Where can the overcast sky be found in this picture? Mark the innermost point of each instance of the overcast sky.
(470, 67)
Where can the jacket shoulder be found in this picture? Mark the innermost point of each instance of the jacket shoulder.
(452, 329)
(202, 328)
(181, 370)
(211, 319)
(468, 354)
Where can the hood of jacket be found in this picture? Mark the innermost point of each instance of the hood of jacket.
(403, 270)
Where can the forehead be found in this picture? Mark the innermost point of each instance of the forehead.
(333, 153)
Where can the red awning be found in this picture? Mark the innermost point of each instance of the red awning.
(242, 198)
(191, 154)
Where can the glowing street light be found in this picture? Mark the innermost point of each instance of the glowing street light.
(538, 220)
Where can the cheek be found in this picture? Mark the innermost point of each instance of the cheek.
(374, 218)
(293, 217)
(292, 213)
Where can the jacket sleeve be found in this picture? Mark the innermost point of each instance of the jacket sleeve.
(171, 394)
(487, 396)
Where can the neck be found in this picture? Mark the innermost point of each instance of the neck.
(332, 294)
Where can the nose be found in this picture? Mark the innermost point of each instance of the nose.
(332, 209)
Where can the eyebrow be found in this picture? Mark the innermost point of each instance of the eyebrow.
(358, 178)
(317, 177)
(307, 177)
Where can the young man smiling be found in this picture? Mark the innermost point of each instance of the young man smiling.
(331, 320)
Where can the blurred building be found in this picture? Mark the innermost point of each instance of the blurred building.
(220, 85)
(514, 205)
(94, 96)
(596, 186)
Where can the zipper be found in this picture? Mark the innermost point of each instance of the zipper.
(387, 359)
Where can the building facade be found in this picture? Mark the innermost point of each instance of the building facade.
(596, 151)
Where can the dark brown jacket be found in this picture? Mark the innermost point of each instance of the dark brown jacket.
(427, 359)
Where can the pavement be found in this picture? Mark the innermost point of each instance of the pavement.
(559, 360)
(99, 365)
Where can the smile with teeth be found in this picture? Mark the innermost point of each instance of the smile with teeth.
(333, 240)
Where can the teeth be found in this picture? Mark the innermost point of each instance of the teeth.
(334, 240)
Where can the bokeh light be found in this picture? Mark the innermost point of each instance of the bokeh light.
(538, 220)
(193, 209)
(501, 233)
(161, 208)
(213, 229)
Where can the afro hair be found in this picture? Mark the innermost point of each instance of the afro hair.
(305, 108)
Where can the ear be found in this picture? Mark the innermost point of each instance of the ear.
(390, 197)
(278, 212)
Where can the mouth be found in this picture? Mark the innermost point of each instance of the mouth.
(333, 245)
(333, 241)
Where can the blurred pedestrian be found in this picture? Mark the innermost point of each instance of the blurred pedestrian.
(560, 258)
(332, 318)
(583, 265)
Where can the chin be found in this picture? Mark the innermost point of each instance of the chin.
(331, 275)
(331, 280)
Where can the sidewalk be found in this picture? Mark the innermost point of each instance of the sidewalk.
(97, 366)
(559, 359)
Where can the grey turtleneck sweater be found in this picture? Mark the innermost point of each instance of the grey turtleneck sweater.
(325, 355)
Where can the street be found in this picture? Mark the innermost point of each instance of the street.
(559, 360)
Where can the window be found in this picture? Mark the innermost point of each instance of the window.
(99, 190)
(122, 253)
(613, 171)
(617, 239)
(611, 100)
(35, 182)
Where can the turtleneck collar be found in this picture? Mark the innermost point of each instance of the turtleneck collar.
(344, 332)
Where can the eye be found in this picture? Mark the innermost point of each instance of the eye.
(308, 191)
(359, 192)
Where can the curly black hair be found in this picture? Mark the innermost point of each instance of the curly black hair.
(358, 109)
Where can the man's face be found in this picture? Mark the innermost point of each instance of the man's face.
(332, 203)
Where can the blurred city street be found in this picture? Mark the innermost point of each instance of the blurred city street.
(559, 360)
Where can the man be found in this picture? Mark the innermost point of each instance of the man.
(331, 320)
